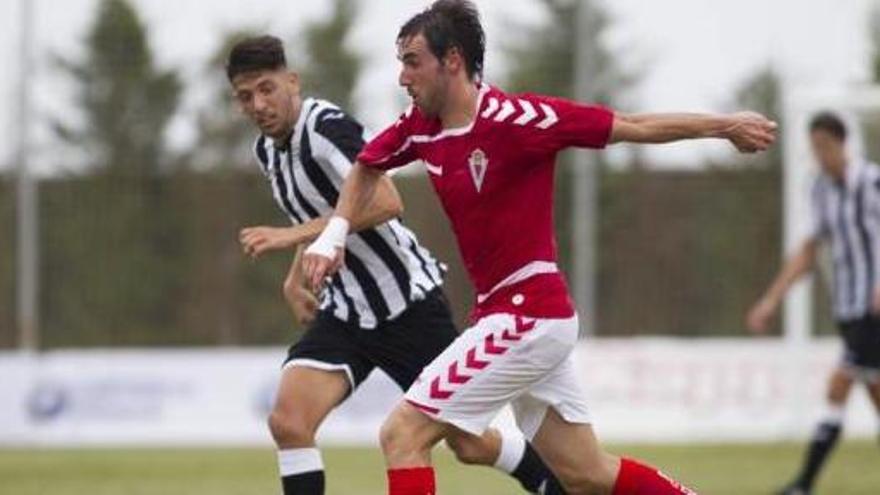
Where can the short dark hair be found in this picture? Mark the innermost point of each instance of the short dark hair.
(450, 24)
(830, 123)
(253, 54)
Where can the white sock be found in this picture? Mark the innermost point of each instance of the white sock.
(513, 446)
(833, 415)
(297, 461)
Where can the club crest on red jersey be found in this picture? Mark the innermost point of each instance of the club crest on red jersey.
(478, 164)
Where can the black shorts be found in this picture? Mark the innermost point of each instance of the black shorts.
(861, 338)
(400, 347)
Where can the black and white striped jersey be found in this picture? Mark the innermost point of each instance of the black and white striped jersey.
(847, 213)
(386, 269)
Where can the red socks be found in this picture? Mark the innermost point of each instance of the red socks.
(411, 481)
(638, 479)
(633, 479)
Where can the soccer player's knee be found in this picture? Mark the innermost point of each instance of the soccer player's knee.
(392, 436)
(469, 449)
(398, 436)
(290, 429)
(580, 482)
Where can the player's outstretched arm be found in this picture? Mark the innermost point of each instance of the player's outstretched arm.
(747, 131)
(324, 255)
(759, 317)
(384, 205)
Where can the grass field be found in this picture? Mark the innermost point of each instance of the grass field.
(721, 469)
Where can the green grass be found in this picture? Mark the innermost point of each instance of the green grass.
(719, 469)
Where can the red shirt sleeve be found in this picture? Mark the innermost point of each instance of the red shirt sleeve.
(565, 123)
(392, 148)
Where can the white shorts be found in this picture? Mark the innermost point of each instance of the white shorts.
(504, 359)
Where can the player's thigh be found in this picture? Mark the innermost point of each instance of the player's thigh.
(306, 394)
(574, 454)
(320, 371)
(475, 449)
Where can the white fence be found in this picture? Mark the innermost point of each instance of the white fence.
(640, 390)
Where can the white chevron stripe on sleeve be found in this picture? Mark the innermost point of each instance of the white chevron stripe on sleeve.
(507, 110)
(493, 106)
(528, 115)
(550, 119)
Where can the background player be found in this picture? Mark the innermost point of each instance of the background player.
(846, 213)
(490, 156)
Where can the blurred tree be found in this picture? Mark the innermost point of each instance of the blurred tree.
(331, 69)
(111, 250)
(125, 101)
(874, 34)
(225, 138)
(871, 120)
(542, 57)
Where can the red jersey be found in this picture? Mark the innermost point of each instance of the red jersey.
(495, 181)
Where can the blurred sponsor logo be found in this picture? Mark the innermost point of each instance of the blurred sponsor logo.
(107, 399)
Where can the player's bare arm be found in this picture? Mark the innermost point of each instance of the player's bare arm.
(384, 205)
(302, 301)
(759, 317)
(749, 132)
(325, 255)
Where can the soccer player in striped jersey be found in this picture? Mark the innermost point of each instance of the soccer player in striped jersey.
(490, 156)
(383, 309)
(846, 214)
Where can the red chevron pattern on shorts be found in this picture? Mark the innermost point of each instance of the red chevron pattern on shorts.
(454, 377)
(490, 347)
(437, 392)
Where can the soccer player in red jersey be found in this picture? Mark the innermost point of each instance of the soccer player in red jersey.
(490, 156)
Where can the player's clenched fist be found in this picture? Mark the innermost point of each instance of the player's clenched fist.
(751, 132)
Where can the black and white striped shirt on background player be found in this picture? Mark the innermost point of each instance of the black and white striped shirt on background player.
(386, 268)
(847, 213)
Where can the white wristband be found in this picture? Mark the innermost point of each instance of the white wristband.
(331, 239)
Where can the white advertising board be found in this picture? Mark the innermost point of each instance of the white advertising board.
(639, 390)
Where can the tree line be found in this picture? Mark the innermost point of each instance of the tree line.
(139, 241)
